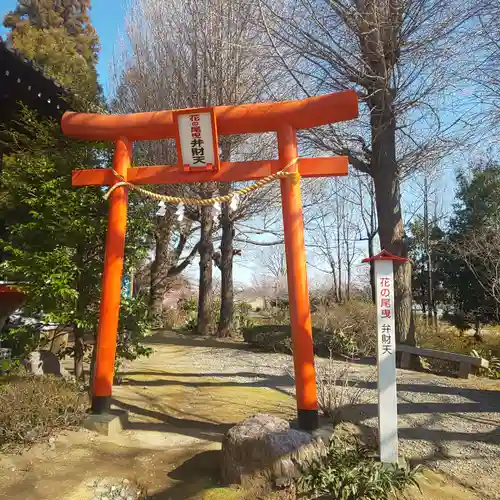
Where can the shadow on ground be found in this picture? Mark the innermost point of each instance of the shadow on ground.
(478, 401)
(195, 475)
(167, 423)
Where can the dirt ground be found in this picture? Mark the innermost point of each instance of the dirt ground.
(180, 401)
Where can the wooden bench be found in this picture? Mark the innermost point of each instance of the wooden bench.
(464, 361)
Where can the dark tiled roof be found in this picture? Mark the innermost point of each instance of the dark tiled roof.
(21, 80)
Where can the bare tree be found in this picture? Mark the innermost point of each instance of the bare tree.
(189, 54)
(274, 262)
(365, 193)
(485, 75)
(397, 53)
(334, 232)
(480, 250)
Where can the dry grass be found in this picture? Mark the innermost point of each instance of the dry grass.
(32, 408)
(351, 327)
(347, 330)
(338, 389)
(448, 338)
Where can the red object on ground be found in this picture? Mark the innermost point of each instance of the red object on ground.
(11, 298)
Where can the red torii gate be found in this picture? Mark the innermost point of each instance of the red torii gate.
(284, 118)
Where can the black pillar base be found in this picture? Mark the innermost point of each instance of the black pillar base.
(308, 420)
(100, 404)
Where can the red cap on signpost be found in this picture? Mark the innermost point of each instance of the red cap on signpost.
(385, 255)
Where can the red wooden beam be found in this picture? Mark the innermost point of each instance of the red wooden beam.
(239, 119)
(229, 172)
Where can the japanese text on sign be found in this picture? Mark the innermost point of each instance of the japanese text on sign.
(197, 138)
(197, 143)
(385, 309)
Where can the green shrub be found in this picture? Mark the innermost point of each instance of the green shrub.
(351, 327)
(350, 472)
(346, 330)
(493, 370)
(33, 407)
(188, 304)
(133, 329)
(190, 308)
(272, 338)
(242, 318)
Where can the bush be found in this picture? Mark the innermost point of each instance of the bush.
(351, 327)
(133, 329)
(349, 472)
(242, 316)
(171, 317)
(346, 330)
(33, 407)
(273, 338)
(337, 389)
(278, 338)
(452, 339)
(493, 370)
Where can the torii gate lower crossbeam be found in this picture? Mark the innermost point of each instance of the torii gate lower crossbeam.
(284, 118)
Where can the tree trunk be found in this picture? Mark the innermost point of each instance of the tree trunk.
(3, 228)
(160, 267)
(339, 249)
(334, 279)
(477, 330)
(371, 253)
(205, 289)
(79, 353)
(227, 291)
(92, 368)
(78, 332)
(388, 199)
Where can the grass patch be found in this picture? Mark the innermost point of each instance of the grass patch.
(448, 338)
(31, 408)
(350, 472)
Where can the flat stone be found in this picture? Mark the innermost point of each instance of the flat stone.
(107, 424)
(265, 446)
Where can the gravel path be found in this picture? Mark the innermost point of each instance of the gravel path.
(447, 423)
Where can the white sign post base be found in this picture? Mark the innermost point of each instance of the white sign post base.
(386, 356)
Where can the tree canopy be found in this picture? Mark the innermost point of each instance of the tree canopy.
(58, 35)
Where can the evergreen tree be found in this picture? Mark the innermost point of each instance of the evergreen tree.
(55, 242)
(473, 246)
(58, 35)
(420, 261)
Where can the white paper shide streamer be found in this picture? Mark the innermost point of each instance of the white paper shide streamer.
(235, 201)
(216, 210)
(162, 209)
(180, 212)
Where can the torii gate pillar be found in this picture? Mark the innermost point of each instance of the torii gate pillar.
(298, 289)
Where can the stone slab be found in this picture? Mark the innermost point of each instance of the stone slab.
(107, 424)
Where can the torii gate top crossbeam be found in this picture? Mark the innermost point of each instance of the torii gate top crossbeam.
(240, 119)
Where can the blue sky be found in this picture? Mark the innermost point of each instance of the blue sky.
(108, 19)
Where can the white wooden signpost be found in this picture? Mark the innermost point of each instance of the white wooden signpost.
(197, 141)
(386, 355)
